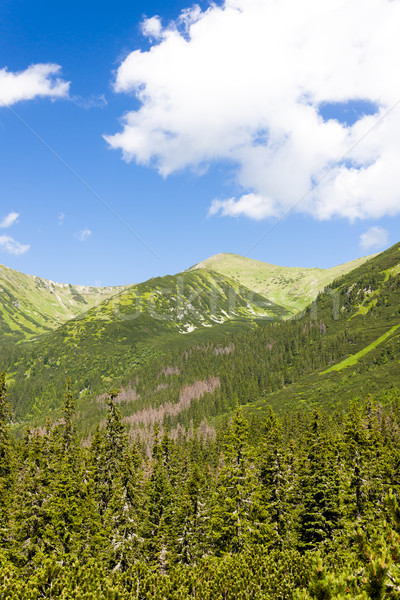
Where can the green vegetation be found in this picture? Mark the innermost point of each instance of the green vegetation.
(354, 358)
(292, 287)
(130, 329)
(245, 455)
(31, 306)
(257, 361)
(300, 507)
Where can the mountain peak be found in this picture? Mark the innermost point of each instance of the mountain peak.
(291, 287)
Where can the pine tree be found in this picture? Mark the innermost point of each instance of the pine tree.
(158, 497)
(367, 465)
(124, 515)
(237, 519)
(320, 489)
(107, 452)
(278, 482)
(189, 527)
(71, 518)
(31, 500)
(6, 468)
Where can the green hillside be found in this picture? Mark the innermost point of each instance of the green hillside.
(182, 361)
(192, 487)
(127, 330)
(291, 287)
(31, 306)
(346, 345)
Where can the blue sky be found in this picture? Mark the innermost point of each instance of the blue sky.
(196, 183)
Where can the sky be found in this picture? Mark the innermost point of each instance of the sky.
(137, 139)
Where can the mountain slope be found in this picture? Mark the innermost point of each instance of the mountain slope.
(291, 287)
(354, 326)
(369, 315)
(31, 306)
(129, 329)
(175, 369)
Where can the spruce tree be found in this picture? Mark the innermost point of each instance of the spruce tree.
(124, 515)
(278, 482)
(158, 498)
(69, 507)
(320, 490)
(237, 519)
(5, 458)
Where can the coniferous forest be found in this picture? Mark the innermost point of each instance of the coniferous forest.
(200, 300)
(301, 506)
(253, 460)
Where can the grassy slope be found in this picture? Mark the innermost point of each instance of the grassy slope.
(31, 306)
(370, 313)
(129, 329)
(291, 287)
(106, 346)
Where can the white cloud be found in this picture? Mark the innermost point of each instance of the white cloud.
(61, 218)
(36, 80)
(249, 205)
(8, 244)
(243, 82)
(9, 220)
(83, 235)
(375, 237)
(152, 28)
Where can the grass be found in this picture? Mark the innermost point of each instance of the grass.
(354, 358)
(291, 287)
(33, 306)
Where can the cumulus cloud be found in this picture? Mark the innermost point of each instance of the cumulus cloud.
(375, 238)
(152, 28)
(8, 244)
(9, 220)
(83, 235)
(37, 80)
(248, 81)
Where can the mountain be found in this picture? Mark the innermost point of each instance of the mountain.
(129, 329)
(189, 347)
(291, 287)
(346, 345)
(31, 306)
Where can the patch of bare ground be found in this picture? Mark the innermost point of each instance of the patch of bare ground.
(162, 386)
(152, 415)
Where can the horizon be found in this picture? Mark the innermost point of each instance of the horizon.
(369, 256)
(143, 138)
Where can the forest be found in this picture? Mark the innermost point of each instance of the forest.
(250, 460)
(303, 505)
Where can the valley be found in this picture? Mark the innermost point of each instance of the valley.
(190, 431)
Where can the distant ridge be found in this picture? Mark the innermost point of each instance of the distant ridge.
(291, 287)
(31, 306)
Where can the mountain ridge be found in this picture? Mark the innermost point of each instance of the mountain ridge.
(254, 350)
(291, 287)
(32, 306)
